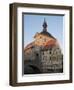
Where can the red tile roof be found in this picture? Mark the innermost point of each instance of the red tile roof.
(50, 43)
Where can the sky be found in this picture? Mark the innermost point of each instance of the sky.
(33, 23)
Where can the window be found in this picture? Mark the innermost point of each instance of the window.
(42, 53)
(50, 52)
(50, 58)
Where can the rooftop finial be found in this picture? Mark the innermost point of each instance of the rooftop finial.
(45, 25)
(44, 19)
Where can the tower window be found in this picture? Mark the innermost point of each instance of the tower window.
(50, 58)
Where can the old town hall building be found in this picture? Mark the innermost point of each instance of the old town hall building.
(43, 55)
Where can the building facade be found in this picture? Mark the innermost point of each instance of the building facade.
(44, 53)
(52, 60)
